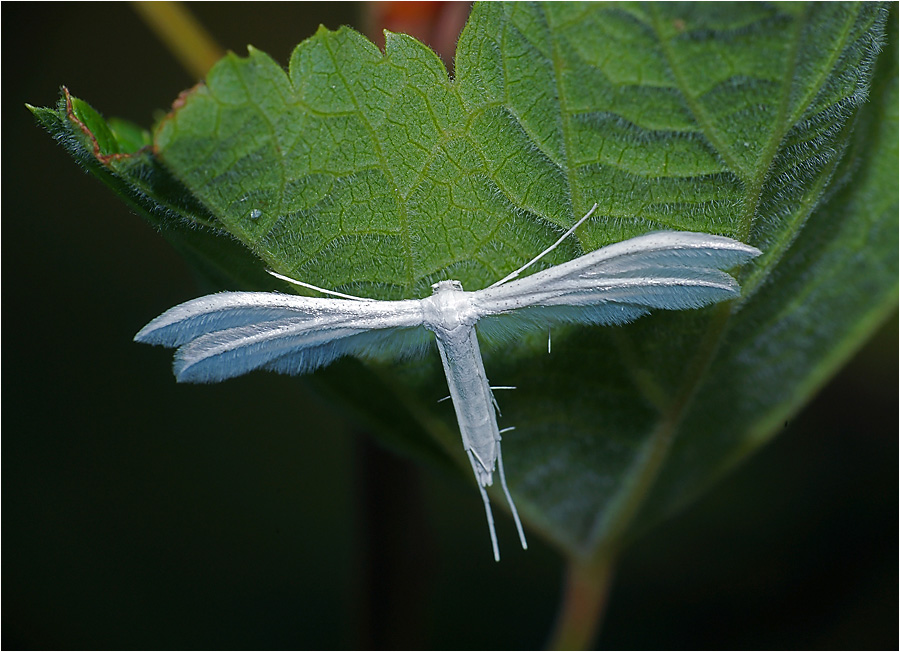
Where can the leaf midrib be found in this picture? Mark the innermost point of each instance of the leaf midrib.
(703, 121)
(609, 526)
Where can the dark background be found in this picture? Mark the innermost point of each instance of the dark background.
(138, 513)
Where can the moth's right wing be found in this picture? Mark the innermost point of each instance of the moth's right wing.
(231, 333)
(669, 270)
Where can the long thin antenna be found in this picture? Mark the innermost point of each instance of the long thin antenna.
(545, 251)
(316, 288)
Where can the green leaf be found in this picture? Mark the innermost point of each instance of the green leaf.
(836, 283)
(373, 173)
(119, 154)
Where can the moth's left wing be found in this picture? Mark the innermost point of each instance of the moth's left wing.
(670, 270)
(231, 333)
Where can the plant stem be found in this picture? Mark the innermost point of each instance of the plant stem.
(584, 602)
(190, 43)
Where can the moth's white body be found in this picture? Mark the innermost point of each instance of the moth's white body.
(451, 316)
(231, 333)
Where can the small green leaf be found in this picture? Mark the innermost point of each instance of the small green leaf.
(374, 173)
(118, 153)
(129, 136)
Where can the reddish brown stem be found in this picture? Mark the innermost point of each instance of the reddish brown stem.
(584, 602)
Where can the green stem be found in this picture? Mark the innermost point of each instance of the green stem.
(184, 36)
(584, 603)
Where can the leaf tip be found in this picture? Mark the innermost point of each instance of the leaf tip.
(324, 30)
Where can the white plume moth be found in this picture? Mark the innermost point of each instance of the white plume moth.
(231, 333)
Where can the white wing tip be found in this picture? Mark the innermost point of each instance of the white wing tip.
(148, 334)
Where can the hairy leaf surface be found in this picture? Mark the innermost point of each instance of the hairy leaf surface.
(376, 174)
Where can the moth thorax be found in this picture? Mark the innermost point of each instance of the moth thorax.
(449, 307)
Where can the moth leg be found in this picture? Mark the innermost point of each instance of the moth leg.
(494, 399)
(447, 398)
(512, 505)
(487, 510)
